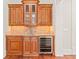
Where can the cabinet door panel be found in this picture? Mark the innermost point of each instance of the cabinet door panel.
(12, 16)
(48, 16)
(14, 45)
(39, 15)
(26, 46)
(19, 16)
(44, 15)
(16, 15)
(34, 45)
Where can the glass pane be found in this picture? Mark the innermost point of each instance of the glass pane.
(27, 18)
(33, 19)
(45, 43)
(33, 8)
(27, 8)
(27, 21)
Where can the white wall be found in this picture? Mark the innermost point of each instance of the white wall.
(64, 24)
(68, 27)
(65, 12)
(74, 26)
(5, 24)
(58, 19)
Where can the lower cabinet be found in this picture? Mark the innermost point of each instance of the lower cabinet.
(30, 46)
(14, 45)
(18, 45)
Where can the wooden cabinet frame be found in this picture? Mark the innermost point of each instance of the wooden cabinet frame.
(27, 47)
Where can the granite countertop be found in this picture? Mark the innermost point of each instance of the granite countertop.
(25, 31)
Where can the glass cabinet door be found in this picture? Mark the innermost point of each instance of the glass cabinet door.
(27, 14)
(33, 18)
(27, 18)
(30, 14)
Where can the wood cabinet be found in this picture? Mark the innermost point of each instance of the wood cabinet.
(34, 45)
(14, 45)
(21, 43)
(45, 15)
(26, 46)
(15, 15)
(30, 46)
(30, 15)
(17, 45)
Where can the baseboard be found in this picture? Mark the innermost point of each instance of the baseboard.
(59, 54)
(74, 51)
(69, 52)
(65, 52)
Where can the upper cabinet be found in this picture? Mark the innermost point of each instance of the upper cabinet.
(45, 15)
(30, 14)
(15, 14)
